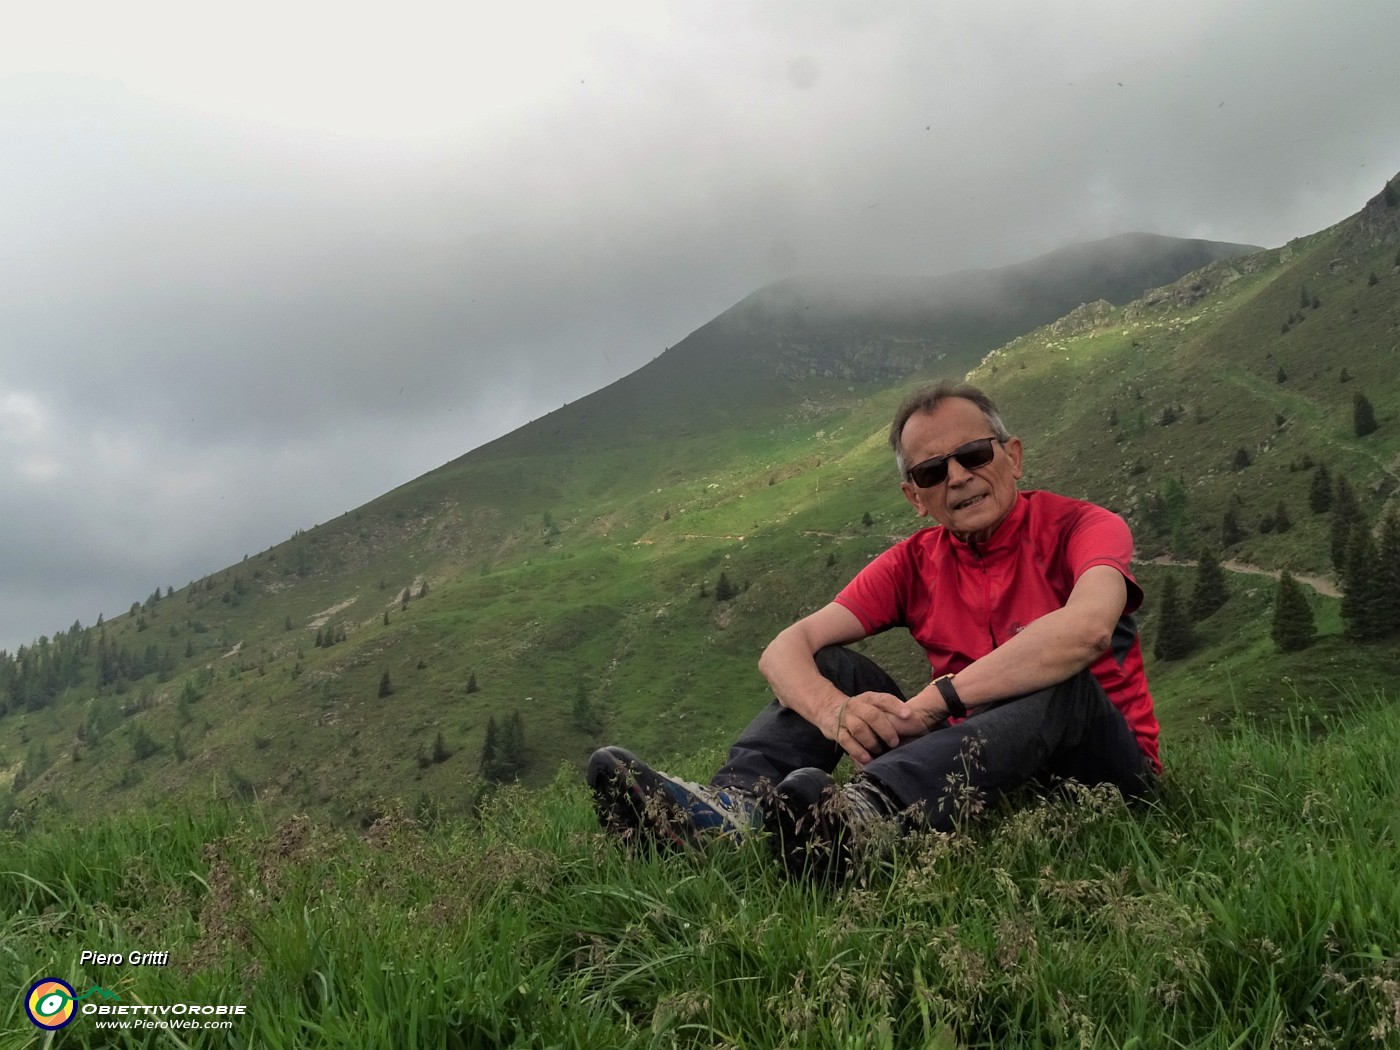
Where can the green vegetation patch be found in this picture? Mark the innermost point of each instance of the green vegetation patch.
(1255, 902)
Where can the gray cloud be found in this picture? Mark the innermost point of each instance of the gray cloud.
(216, 328)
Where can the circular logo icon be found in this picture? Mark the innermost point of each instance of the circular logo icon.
(49, 1003)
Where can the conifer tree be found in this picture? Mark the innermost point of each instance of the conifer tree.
(386, 687)
(1346, 515)
(1388, 571)
(1282, 522)
(503, 753)
(513, 744)
(1363, 417)
(724, 590)
(472, 687)
(490, 759)
(584, 718)
(1174, 637)
(1363, 602)
(1293, 627)
(1320, 491)
(1210, 591)
(440, 751)
(1231, 532)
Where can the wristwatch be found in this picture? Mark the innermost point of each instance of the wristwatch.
(956, 707)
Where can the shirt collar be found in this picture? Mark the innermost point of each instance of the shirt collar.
(1005, 538)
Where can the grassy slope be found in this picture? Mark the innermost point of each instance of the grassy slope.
(1255, 904)
(568, 558)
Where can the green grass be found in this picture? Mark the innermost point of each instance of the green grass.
(1255, 903)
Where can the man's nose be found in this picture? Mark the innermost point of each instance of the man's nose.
(957, 473)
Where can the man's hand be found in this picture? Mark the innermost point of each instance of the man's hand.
(869, 724)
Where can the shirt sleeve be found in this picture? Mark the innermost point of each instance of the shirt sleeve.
(1101, 537)
(877, 594)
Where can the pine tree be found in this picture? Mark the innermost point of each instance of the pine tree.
(1293, 628)
(489, 764)
(1388, 571)
(503, 752)
(1363, 602)
(1346, 515)
(1320, 491)
(1241, 459)
(440, 751)
(584, 718)
(724, 590)
(1231, 532)
(386, 687)
(1363, 417)
(867, 520)
(472, 687)
(513, 743)
(1174, 637)
(1210, 591)
(1282, 522)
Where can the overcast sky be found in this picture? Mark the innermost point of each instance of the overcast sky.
(260, 266)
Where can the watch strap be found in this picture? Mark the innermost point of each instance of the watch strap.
(956, 707)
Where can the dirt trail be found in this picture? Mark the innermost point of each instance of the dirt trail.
(1318, 583)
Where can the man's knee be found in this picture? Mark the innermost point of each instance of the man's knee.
(833, 661)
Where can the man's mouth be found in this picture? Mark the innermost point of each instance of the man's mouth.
(972, 502)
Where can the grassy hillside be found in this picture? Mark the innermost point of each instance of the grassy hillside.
(1255, 903)
(568, 573)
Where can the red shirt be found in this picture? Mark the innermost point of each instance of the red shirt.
(961, 600)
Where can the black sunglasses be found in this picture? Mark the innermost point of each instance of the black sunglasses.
(934, 471)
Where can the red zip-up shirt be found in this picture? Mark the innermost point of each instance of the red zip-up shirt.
(960, 600)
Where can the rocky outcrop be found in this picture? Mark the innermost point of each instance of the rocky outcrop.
(1188, 291)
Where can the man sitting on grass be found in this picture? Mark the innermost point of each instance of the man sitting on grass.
(1023, 603)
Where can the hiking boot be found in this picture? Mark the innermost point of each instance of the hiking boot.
(638, 803)
(815, 828)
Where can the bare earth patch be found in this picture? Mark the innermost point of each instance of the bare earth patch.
(322, 618)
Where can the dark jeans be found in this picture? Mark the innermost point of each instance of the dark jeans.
(1069, 731)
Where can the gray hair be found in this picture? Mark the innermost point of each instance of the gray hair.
(927, 399)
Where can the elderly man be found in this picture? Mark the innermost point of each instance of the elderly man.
(1023, 602)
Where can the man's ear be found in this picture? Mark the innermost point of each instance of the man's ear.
(915, 499)
(1013, 449)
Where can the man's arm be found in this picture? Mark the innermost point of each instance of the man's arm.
(1052, 648)
(864, 725)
